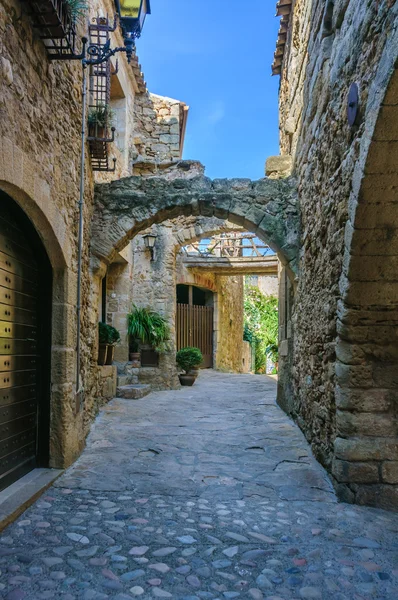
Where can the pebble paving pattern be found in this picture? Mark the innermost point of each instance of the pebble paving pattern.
(221, 530)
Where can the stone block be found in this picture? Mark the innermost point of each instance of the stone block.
(63, 365)
(364, 334)
(382, 157)
(354, 375)
(378, 187)
(365, 449)
(365, 424)
(355, 472)
(30, 169)
(278, 166)
(372, 293)
(382, 496)
(372, 268)
(168, 138)
(387, 124)
(290, 126)
(372, 242)
(133, 392)
(6, 71)
(376, 214)
(389, 472)
(391, 97)
(385, 375)
(64, 325)
(284, 348)
(8, 159)
(369, 400)
(349, 354)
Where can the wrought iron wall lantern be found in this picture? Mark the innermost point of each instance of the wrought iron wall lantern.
(132, 14)
(149, 241)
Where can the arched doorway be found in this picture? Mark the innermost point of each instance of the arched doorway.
(365, 464)
(195, 321)
(25, 345)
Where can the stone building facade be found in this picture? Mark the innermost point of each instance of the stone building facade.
(344, 389)
(40, 137)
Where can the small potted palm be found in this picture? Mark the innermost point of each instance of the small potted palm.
(188, 359)
(147, 328)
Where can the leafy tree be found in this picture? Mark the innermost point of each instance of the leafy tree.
(261, 325)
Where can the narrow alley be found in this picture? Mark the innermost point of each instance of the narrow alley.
(208, 492)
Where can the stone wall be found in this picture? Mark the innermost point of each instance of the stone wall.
(330, 46)
(159, 132)
(267, 284)
(229, 356)
(154, 287)
(40, 133)
(107, 382)
(135, 278)
(40, 123)
(119, 292)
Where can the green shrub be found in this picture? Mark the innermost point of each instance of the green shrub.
(189, 358)
(114, 335)
(77, 10)
(108, 334)
(101, 116)
(261, 326)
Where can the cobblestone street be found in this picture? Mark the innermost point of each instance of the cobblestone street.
(208, 492)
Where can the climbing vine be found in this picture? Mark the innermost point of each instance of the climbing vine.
(261, 326)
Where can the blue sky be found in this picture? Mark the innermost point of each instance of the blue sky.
(216, 56)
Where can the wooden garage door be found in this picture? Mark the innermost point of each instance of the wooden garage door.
(19, 359)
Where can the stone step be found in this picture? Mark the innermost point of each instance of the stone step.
(126, 380)
(133, 392)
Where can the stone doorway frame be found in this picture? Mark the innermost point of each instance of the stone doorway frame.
(20, 180)
(365, 465)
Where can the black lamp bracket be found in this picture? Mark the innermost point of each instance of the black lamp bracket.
(94, 54)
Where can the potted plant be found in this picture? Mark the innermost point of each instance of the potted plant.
(99, 118)
(76, 9)
(147, 327)
(108, 338)
(113, 339)
(188, 359)
(134, 351)
(103, 338)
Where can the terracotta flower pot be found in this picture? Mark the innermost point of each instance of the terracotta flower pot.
(194, 372)
(135, 359)
(187, 379)
(96, 131)
(110, 354)
(102, 354)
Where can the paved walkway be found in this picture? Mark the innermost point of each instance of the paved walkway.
(208, 492)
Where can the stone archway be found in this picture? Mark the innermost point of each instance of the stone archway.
(366, 448)
(267, 207)
(32, 208)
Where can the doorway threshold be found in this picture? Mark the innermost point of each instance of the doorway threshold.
(20, 495)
